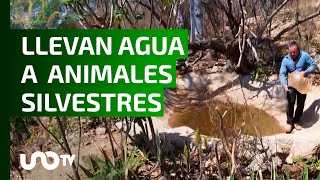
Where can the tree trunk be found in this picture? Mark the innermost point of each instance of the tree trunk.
(198, 14)
(179, 20)
(192, 22)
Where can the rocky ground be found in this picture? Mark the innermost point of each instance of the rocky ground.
(266, 95)
(214, 82)
(212, 78)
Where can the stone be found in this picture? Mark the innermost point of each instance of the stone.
(90, 124)
(214, 69)
(168, 148)
(92, 131)
(273, 77)
(181, 67)
(228, 67)
(87, 143)
(103, 146)
(303, 148)
(313, 52)
(277, 161)
(154, 174)
(300, 143)
(101, 131)
(220, 55)
(258, 163)
(182, 93)
(316, 59)
(162, 178)
(194, 102)
(177, 141)
(210, 55)
(207, 164)
(294, 169)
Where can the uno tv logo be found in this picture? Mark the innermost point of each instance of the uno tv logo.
(43, 157)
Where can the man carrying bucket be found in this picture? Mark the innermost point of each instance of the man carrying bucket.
(300, 63)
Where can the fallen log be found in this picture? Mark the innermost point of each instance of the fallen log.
(211, 44)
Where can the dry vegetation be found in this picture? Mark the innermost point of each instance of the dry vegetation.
(107, 151)
(248, 33)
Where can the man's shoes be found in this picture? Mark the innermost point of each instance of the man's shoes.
(297, 126)
(289, 128)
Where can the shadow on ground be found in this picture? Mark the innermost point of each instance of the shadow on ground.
(311, 115)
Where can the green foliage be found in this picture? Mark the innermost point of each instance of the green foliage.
(186, 158)
(297, 159)
(71, 1)
(311, 163)
(32, 138)
(266, 65)
(198, 141)
(197, 138)
(261, 71)
(54, 129)
(20, 125)
(120, 13)
(68, 125)
(287, 175)
(252, 176)
(140, 16)
(105, 168)
(205, 143)
(34, 14)
(167, 2)
(305, 173)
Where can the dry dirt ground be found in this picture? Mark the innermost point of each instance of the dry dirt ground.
(90, 145)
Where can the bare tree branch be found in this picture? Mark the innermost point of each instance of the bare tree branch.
(151, 15)
(269, 19)
(79, 145)
(63, 135)
(106, 123)
(242, 43)
(253, 50)
(55, 137)
(242, 35)
(234, 24)
(212, 44)
(156, 15)
(296, 23)
(231, 154)
(111, 14)
(126, 16)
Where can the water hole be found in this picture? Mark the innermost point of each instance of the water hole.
(198, 117)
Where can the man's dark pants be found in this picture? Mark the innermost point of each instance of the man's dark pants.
(292, 96)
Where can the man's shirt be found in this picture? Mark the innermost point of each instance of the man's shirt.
(303, 63)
